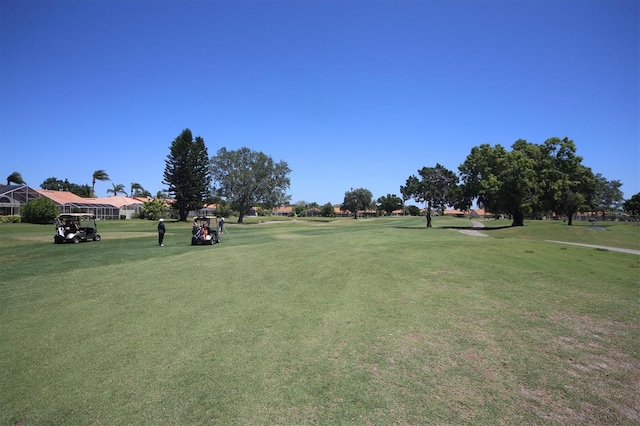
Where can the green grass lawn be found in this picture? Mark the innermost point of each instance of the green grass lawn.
(374, 321)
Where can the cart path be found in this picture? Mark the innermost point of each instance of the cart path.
(480, 225)
(474, 232)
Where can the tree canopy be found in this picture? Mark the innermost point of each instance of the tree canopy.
(568, 185)
(54, 184)
(247, 178)
(437, 187)
(389, 203)
(632, 205)
(138, 191)
(608, 196)
(529, 179)
(118, 188)
(186, 173)
(100, 175)
(356, 200)
(16, 178)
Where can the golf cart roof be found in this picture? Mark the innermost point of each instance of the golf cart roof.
(77, 216)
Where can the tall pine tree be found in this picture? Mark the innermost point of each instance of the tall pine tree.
(186, 172)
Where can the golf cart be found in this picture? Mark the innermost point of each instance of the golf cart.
(76, 227)
(202, 232)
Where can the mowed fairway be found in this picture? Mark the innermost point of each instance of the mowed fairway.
(376, 321)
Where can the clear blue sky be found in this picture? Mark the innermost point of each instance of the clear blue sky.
(349, 93)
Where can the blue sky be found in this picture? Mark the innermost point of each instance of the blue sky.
(349, 93)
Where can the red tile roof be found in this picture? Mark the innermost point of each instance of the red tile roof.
(117, 201)
(64, 197)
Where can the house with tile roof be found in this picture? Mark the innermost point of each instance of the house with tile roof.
(69, 202)
(13, 197)
(128, 206)
(282, 211)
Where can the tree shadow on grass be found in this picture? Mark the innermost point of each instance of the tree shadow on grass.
(474, 228)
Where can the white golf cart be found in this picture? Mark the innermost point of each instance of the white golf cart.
(76, 227)
(202, 234)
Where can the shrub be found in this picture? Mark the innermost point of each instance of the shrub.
(41, 210)
(13, 218)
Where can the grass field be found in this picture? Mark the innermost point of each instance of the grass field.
(376, 321)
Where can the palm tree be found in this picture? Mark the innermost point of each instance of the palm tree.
(118, 188)
(100, 175)
(136, 190)
(15, 177)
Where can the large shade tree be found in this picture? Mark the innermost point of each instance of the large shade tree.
(186, 173)
(390, 202)
(98, 175)
(356, 200)
(503, 181)
(528, 180)
(437, 188)
(569, 185)
(247, 178)
(608, 196)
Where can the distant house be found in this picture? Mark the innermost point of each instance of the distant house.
(13, 197)
(206, 210)
(281, 211)
(313, 212)
(340, 213)
(455, 212)
(69, 202)
(127, 206)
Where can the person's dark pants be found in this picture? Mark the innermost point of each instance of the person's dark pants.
(160, 237)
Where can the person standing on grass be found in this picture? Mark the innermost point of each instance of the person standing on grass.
(221, 225)
(161, 230)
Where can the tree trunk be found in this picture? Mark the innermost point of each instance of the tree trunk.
(518, 218)
(428, 215)
(241, 216)
(183, 215)
(570, 217)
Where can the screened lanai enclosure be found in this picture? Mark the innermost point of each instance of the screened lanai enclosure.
(13, 197)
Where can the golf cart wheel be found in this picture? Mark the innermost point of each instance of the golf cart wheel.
(97, 238)
(76, 240)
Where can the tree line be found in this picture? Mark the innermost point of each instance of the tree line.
(529, 180)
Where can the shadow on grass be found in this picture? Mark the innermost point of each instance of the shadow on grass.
(475, 228)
